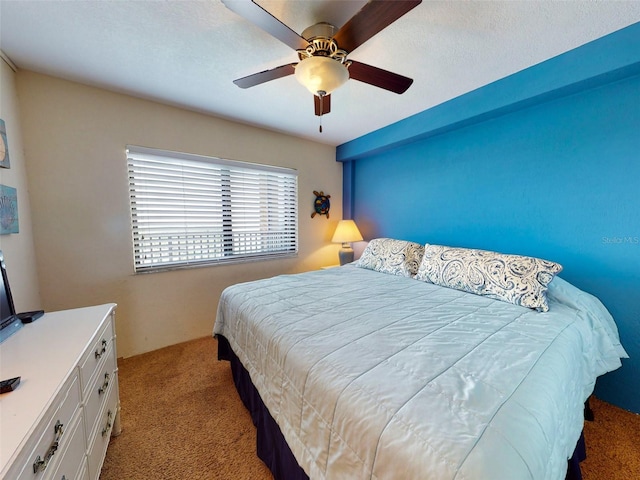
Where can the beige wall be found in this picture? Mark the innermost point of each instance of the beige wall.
(18, 249)
(75, 138)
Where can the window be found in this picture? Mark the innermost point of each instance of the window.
(189, 210)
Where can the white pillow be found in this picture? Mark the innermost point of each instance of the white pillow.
(568, 294)
(387, 255)
(511, 278)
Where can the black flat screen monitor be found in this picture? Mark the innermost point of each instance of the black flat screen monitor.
(9, 322)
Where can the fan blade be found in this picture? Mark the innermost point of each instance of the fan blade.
(266, 76)
(372, 18)
(325, 102)
(267, 22)
(379, 77)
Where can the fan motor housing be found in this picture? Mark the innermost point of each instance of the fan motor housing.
(319, 30)
(322, 44)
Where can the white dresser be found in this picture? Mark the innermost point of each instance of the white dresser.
(57, 423)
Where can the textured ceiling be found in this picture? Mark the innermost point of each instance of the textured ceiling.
(187, 53)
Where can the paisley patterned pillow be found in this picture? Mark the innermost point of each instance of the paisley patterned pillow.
(397, 257)
(511, 278)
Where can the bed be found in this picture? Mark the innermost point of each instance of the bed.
(411, 363)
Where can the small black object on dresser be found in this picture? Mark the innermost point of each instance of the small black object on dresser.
(9, 385)
(28, 317)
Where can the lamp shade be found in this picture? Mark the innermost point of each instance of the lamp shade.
(321, 74)
(346, 232)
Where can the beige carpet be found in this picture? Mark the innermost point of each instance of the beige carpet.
(183, 420)
(613, 444)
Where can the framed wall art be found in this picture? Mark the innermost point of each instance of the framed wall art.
(8, 210)
(4, 146)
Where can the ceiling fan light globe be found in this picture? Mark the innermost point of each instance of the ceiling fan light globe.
(321, 74)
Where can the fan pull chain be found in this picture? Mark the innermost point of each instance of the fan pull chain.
(321, 110)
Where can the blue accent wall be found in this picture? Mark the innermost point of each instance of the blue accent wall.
(545, 162)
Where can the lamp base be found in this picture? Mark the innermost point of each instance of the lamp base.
(345, 254)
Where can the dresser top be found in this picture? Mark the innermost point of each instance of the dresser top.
(44, 353)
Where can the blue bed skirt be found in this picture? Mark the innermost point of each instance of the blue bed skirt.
(271, 446)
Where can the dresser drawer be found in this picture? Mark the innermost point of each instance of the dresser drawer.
(99, 390)
(100, 441)
(72, 458)
(52, 436)
(94, 357)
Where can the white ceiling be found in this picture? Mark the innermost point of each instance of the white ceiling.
(187, 53)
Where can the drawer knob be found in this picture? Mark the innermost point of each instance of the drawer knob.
(107, 427)
(105, 384)
(40, 464)
(100, 351)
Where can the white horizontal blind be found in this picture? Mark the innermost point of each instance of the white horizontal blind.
(191, 210)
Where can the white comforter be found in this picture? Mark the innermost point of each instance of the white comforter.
(371, 375)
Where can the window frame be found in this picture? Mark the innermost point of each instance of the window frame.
(272, 202)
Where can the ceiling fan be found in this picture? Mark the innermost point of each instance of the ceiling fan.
(323, 49)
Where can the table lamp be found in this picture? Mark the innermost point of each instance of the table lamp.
(346, 232)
